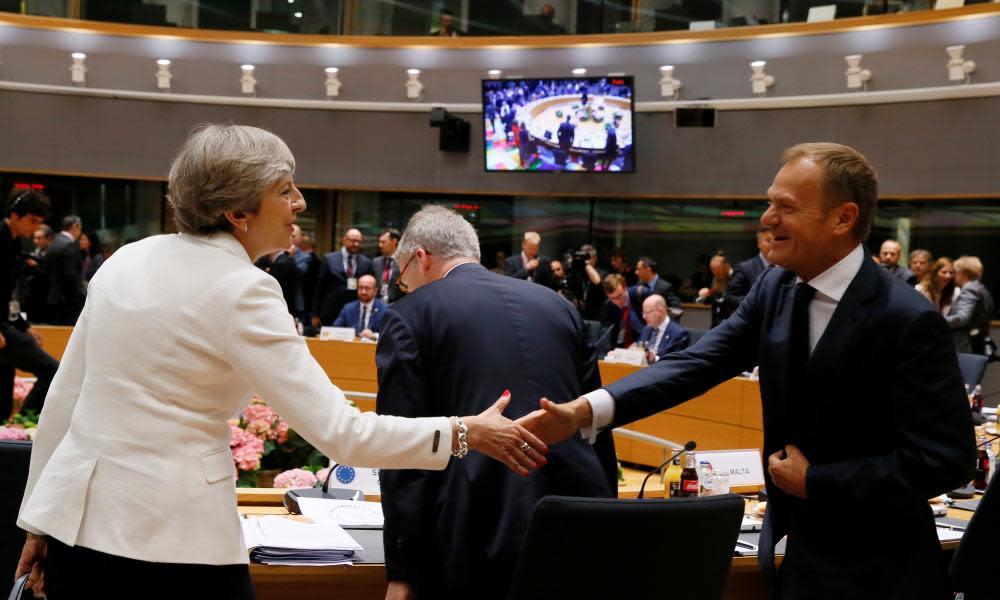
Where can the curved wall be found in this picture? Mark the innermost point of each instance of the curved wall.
(939, 147)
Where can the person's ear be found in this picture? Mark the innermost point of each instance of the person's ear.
(846, 217)
(238, 220)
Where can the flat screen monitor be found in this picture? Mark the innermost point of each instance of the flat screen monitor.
(575, 124)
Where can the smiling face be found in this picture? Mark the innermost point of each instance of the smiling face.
(353, 241)
(272, 225)
(808, 237)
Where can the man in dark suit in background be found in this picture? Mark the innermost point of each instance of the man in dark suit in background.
(662, 334)
(281, 266)
(865, 416)
(385, 269)
(461, 337)
(528, 264)
(650, 282)
(746, 273)
(365, 313)
(622, 312)
(64, 264)
(308, 265)
(566, 134)
(337, 283)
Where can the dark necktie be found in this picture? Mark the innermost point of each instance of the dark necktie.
(350, 265)
(627, 325)
(364, 317)
(386, 270)
(799, 347)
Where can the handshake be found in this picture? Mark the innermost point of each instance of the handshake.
(522, 444)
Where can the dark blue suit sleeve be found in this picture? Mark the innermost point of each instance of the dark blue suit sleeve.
(723, 353)
(341, 320)
(322, 283)
(406, 494)
(934, 447)
(738, 287)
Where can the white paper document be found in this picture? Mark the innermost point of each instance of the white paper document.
(276, 540)
(345, 513)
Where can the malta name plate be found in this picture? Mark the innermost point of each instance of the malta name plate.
(744, 466)
(340, 334)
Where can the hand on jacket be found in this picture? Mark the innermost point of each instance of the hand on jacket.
(788, 470)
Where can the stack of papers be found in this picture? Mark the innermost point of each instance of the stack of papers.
(274, 540)
(352, 514)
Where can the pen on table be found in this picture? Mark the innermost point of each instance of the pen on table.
(746, 545)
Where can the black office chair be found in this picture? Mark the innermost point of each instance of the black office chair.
(609, 548)
(972, 367)
(972, 567)
(14, 459)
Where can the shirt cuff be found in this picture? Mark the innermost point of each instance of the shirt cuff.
(602, 407)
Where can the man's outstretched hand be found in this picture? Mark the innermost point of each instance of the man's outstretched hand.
(553, 423)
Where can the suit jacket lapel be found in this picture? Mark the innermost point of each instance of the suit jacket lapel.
(845, 324)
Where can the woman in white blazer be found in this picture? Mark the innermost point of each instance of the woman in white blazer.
(131, 477)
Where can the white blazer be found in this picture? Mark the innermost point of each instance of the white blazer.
(132, 455)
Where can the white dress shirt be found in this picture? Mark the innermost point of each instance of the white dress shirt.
(830, 286)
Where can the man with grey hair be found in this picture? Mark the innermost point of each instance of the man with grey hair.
(461, 336)
(528, 265)
(63, 263)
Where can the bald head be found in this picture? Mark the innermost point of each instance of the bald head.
(353, 240)
(366, 288)
(654, 310)
(889, 254)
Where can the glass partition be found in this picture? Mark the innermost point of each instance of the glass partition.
(459, 17)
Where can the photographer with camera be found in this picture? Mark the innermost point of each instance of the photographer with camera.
(584, 281)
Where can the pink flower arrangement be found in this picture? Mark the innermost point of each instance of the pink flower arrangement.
(295, 478)
(14, 433)
(262, 421)
(247, 448)
(22, 387)
(322, 474)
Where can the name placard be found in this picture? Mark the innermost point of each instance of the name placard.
(744, 466)
(339, 334)
(625, 356)
(356, 478)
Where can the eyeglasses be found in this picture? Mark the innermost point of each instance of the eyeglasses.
(399, 280)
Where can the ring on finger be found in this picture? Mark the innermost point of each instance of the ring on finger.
(524, 447)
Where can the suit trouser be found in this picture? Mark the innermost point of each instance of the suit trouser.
(22, 352)
(78, 572)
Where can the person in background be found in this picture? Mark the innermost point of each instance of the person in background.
(622, 311)
(20, 344)
(746, 273)
(337, 282)
(64, 265)
(446, 25)
(385, 269)
(715, 296)
(938, 285)
(93, 254)
(456, 535)
(970, 314)
(650, 282)
(622, 266)
(500, 266)
(889, 256)
(661, 335)
(280, 264)
(34, 286)
(528, 265)
(584, 281)
(365, 313)
(132, 438)
(826, 329)
(701, 278)
(920, 265)
(308, 266)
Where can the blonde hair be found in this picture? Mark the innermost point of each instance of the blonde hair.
(532, 238)
(849, 178)
(970, 265)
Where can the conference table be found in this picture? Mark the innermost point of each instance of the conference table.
(726, 417)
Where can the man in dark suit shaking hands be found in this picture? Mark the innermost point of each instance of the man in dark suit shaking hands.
(460, 337)
(865, 417)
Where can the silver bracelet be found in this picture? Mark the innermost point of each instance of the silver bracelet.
(463, 439)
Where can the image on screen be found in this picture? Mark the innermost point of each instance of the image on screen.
(578, 124)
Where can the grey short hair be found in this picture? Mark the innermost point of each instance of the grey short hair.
(441, 232)
(224, 168)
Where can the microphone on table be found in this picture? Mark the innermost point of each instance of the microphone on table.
(688, 447)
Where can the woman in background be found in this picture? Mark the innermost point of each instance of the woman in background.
(939, 284)
(93, 254)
